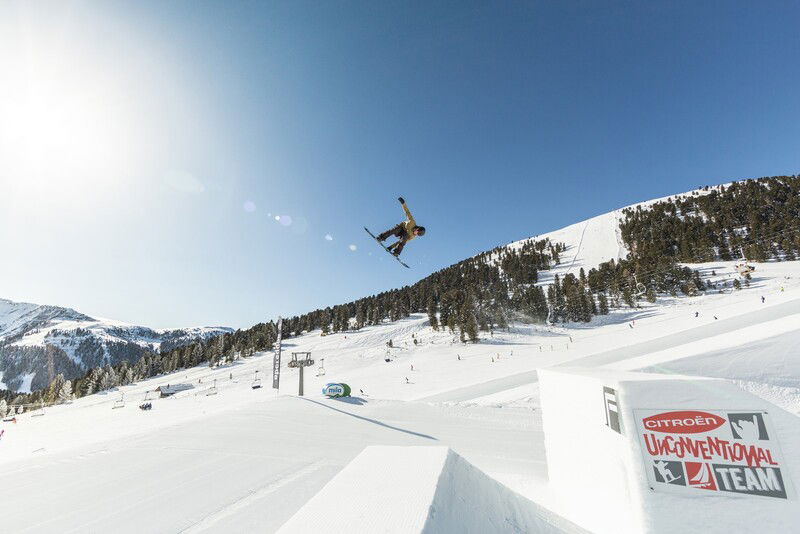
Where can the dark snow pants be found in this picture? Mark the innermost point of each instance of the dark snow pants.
(399, 232)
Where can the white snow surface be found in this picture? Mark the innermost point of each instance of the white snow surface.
(419, 489)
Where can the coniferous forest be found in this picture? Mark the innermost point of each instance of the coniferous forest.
(752, 220)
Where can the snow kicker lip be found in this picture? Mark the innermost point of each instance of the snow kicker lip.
(683, 422)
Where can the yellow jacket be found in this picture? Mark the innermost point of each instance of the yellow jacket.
(409, 224)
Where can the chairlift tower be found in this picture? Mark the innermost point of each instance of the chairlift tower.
(301, 364)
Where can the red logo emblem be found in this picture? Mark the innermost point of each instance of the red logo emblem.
(700, 476)
(688, 422)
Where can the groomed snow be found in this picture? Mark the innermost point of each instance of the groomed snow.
(419, 490)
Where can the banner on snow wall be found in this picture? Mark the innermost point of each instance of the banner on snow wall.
(697, 452)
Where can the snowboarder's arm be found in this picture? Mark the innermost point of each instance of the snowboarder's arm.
(405, 209)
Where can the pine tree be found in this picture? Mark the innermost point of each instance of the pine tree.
(451, 323)
(360, 317)
(3, 408)
(467, 322)
(90, 383)
(586, 307)
(432, 309)
(65, 392)
(51, 394)
(603, 303)
(127, 376)
(108, 379)
(650, 294)
(627, 297)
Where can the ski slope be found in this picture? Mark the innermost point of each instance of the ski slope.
(593, 241)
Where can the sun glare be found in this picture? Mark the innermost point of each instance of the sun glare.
(62, 126)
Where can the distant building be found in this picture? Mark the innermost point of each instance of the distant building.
(171, 389)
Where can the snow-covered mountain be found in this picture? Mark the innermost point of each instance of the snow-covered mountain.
(596, 240)
(39, 341)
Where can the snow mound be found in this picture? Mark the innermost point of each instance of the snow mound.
(419, 489)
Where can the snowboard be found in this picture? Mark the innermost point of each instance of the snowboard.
(386, 249)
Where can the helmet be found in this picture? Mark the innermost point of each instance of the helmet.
(420, 230)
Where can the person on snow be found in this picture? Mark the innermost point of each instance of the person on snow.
(404, 232)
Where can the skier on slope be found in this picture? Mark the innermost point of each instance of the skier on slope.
(405, 231)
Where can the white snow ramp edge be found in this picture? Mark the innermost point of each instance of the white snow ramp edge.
(419, 489)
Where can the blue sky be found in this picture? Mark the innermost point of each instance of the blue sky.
(146, 147)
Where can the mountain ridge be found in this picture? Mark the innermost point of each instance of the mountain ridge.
(40, 340)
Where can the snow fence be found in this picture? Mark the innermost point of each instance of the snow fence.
(649, 453)
(419, 489)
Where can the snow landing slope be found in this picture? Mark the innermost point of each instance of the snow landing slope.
(26, 330)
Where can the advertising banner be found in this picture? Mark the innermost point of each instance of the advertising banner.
(697, 452)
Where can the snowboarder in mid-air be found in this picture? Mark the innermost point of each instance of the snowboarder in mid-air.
(404, 232)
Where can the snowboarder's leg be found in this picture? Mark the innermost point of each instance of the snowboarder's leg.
(396, 248)
(395, 231)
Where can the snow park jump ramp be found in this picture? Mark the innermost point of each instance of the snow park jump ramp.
(430, 490)
(626, 453)
(645, 453)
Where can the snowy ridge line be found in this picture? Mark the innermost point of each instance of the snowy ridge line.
(82, 342)
(647, 203)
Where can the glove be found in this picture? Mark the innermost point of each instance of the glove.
(402, 200)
